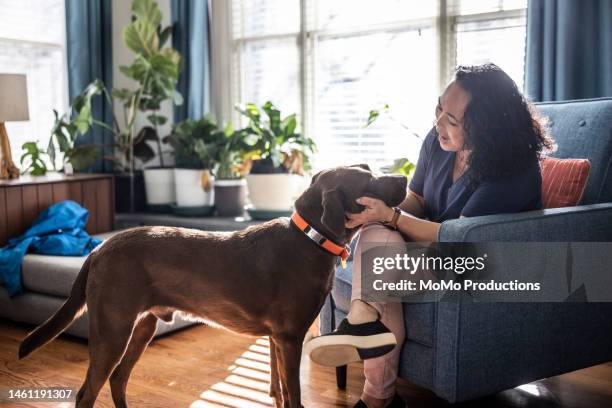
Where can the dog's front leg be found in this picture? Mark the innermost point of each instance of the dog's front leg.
(290, 353)
(275, 385)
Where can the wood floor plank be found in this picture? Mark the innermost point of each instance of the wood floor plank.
(205, 367)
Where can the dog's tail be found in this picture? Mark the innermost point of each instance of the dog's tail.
(72, 308)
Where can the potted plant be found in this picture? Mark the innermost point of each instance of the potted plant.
(31, 160)
(230, 185)
(279, 156)
(195, 147)
(67, 128)
(155, 70)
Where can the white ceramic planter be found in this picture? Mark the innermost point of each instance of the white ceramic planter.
(274, 192)
(189, 190)
(159, 185)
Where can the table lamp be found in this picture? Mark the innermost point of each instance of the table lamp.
(13, 107)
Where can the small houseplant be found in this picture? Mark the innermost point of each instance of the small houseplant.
(195, 144)
(278, 157)
(31, 160)
(230, 185)
(74, 123)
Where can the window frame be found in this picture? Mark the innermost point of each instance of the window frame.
(62, 47)
(444, 23)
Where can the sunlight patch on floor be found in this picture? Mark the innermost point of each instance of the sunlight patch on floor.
(247, 384)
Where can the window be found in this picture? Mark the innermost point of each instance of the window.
(333, 61)
(32, 38)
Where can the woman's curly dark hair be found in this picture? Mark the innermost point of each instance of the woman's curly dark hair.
(504, 131)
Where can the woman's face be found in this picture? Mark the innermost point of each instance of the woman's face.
(449, 117)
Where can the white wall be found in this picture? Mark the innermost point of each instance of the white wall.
(123, 56)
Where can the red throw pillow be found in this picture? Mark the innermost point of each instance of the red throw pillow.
(563, 181)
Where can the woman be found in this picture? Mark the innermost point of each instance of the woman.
(481, 157)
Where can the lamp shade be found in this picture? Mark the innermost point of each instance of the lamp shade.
(13, 98)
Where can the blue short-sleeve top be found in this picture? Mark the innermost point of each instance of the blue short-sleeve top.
(445, 199)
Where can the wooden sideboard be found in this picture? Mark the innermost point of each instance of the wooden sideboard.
(22, 199)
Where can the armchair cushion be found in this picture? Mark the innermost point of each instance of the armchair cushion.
(563, 181)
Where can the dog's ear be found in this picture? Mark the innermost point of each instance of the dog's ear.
(333, 212)
(362, 166)
(314, 178)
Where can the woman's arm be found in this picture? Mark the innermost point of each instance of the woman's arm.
(417, 229)
(413, 204)
(377, 211)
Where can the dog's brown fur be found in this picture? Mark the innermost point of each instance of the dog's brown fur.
(268, 280)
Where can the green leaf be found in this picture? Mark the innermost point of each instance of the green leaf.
(147, 11)
(84, 156)
(401, 166)
(251, 139)
(122, 93)
(250, 111)
(274, 117)
(229, 129)
(177, 98)
(141, 37)
(164, 66)
(289, 124)
(164, 35)
(63, 141)
(30, 147)
(172, 55)
(157, 120)
(83, 119)
(37, 166)
(374, 114)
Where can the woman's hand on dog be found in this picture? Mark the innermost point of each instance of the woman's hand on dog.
(375, 211)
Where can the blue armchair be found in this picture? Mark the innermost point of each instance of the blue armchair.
(462, 351)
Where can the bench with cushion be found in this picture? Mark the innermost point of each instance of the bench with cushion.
(47, 281)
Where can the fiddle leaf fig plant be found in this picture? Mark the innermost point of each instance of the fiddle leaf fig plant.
(156, 71)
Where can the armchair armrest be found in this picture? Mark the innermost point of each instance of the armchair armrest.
(581, 223)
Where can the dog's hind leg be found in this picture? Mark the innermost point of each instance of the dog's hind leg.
(275, 385)
(141, 336)
(290, 350)
(108, 339)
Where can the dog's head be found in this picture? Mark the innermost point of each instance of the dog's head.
(332, 193)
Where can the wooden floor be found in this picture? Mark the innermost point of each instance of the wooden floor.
(205, 367)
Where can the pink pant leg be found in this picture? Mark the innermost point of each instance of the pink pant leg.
(380, 373)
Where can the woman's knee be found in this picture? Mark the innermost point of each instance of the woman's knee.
(377, 232)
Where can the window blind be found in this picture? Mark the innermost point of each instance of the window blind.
(333, 61)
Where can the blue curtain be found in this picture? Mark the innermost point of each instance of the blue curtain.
(89, 44)
(569, 49)
(190, 36)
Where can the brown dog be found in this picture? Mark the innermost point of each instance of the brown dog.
(267, 280)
